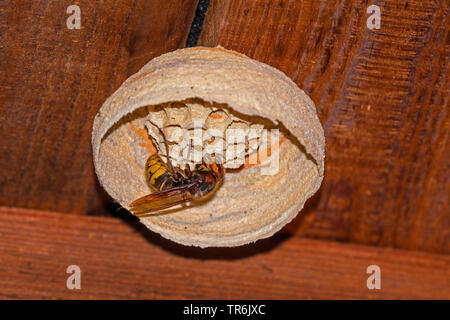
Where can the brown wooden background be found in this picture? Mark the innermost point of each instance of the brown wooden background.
(382, 97)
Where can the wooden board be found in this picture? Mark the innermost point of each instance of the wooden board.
(382, 97)
(53, 80)
(122, 260)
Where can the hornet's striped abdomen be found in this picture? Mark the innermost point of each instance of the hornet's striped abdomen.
(174, 186)
(157, 172)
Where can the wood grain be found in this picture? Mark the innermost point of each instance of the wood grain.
(119, 259)
(53, 81)
(382, 97)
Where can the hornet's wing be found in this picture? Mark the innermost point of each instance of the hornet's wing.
(160, 200)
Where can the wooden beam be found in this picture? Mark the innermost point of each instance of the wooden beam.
(120, 259)
(53, 81)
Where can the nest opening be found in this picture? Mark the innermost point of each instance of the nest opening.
(126, 149)
(141, 127)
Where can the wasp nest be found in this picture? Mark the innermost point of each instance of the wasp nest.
(274, 163)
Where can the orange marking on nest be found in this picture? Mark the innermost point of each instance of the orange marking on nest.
(215, 116)
(141, 76)
(263, 154)
(142, 133)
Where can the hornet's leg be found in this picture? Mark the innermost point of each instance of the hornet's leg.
(188, 171)
(172, 171)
